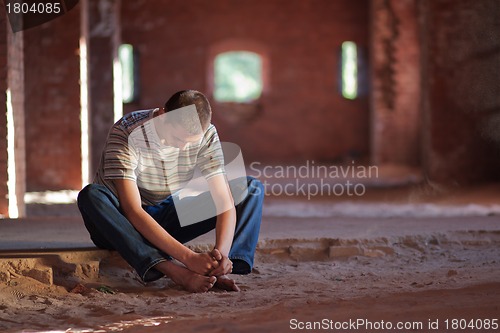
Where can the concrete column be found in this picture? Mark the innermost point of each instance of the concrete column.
(100, 31)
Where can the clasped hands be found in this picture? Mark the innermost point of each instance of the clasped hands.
(211, 263)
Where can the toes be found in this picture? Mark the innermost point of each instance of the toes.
(209, 283)
(213, 280)
(201, 284)
(227, 284)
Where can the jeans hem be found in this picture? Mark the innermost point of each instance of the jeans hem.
(149, 267)
(243, 258)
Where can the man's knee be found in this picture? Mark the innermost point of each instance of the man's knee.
(90, 194)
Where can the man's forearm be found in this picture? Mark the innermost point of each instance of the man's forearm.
(224, 231)
(200, 263)
(158, 236)
(130, 201)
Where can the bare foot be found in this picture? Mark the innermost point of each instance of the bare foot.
(196, 283)
(224, 282)
(190, 281)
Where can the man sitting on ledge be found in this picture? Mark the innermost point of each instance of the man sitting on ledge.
(130, 208)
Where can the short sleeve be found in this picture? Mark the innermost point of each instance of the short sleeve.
(120, 159)
(210, 156)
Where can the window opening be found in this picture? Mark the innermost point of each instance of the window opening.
(128, 65)
(349, 70)
(237, 76)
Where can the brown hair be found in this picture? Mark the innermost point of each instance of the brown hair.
(188, 97)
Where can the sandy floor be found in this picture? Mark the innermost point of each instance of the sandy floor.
(406, 279)
(420, 281)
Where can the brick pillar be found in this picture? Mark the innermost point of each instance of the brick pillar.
(15, 79)
(4, 203)
(461, 95)
(100, 31)
(12, 79)
(395, 81)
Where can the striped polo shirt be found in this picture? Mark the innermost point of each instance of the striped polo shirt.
(134, 151)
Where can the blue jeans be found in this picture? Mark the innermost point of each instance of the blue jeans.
(110, 229)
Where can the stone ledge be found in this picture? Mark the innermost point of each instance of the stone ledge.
(46, 267)
(67, 267)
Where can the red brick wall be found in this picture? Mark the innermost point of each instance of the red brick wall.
(302, 115)
(462, 55)
(53, 160)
